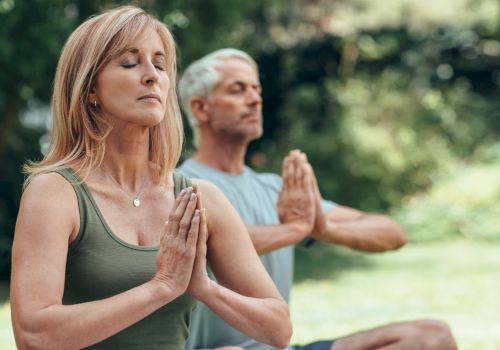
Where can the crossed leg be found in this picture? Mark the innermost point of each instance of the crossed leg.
(410, 335)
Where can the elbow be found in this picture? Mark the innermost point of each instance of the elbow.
(29, 341)
(395, 236)
(283, 341)
(399, 237)
(282, 335)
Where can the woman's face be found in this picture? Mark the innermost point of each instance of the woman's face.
(133, 88)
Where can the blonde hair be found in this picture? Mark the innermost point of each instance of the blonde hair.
(199, 79)
(79, 130)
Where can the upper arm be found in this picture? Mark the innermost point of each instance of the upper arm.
(231, 253)
(48, 216)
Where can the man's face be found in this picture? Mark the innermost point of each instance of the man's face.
(235, 105)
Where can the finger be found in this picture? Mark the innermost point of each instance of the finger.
(304, 157)
(295, 153)
(194, 229)
(286, 172)
(305, 181)
(314, 181)
(299, 173)
(203, 235)
(185, 223)
(167, 235)
(198, 193)
(291, 172)
(178, 210)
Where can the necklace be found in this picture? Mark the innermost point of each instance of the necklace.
(136, 200)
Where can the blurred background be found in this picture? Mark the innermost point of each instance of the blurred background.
(396, 103)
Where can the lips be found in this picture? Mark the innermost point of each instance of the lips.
(150, 97)
(251, 115)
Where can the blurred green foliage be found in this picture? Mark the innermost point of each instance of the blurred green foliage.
(463, 202)
(396, 106)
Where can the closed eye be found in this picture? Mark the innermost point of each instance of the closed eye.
(160, 67)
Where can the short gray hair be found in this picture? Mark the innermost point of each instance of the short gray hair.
(199, 79)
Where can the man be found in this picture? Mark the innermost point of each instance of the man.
(221, 95)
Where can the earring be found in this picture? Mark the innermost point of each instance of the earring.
(95, 103)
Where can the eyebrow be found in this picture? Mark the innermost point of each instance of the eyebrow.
(241, 82)
(136, 50)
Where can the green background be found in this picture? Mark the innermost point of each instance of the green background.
(396, 104)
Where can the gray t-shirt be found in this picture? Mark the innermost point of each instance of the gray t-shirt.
(254, 196)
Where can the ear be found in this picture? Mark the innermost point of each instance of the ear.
(92, 98)
(200, 108)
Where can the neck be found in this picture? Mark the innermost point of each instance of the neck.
(127, 159)
(223, 156)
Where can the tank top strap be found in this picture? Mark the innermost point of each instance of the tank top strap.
(75, 181)
(86, 208)
(180, 182)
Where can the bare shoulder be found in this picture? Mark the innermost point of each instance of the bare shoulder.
(220, 211)
(49, 186)
(49, 197)
(210, 192)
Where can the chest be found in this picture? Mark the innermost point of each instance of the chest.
(255, 203)
(142, 225)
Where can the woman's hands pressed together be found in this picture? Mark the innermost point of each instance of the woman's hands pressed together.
(181, 258)
(199, 279)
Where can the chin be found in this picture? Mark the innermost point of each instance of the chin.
(151, 120)
(256, 134)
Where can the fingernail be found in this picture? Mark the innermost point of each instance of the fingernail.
(197, 212)
(193, 196)
(182, 192)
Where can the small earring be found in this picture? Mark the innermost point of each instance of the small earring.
(95, 103)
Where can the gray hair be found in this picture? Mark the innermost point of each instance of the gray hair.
(199, 79)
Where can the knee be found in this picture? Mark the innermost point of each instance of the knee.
(436, 335)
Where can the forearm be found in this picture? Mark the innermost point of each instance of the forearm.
(267, 238)
(265, 319)
(81, 325)
(368, 232)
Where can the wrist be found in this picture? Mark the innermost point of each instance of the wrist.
(296, 230)
(206, 291)
(162, 291)
(327, 232)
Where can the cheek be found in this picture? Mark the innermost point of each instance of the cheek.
(114, 96)
(165, 87)
(113, 87)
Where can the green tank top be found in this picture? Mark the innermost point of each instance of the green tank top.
(100, 265)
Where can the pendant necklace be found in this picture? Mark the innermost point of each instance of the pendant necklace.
(136, 200)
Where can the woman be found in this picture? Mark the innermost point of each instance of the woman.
(110, 245)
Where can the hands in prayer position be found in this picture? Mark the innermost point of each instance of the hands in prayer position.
(181, 257)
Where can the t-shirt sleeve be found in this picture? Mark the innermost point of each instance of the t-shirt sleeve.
(327, 205)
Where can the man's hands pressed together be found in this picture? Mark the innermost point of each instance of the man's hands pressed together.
(296, 202)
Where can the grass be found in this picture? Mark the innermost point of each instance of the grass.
(6, 335)
(338, 292)
(453, 281)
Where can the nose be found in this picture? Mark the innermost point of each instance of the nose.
(150, 75)
(254, 97)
